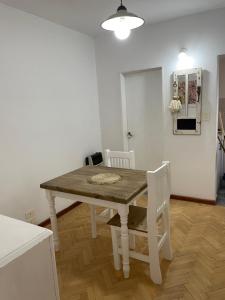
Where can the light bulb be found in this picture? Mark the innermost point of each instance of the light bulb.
(184, 60)
(182, 55)
(122, 33)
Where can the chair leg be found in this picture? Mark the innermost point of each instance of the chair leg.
(132, 236)
(116, 256)
(93, 221)
(155, 271)
(167, 248)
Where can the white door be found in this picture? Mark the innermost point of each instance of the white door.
(144, 118)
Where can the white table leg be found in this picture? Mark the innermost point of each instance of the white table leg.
(116, 256)
(53, 218)
(123, 212)
(93, 221)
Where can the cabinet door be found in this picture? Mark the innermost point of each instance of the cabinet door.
(31, 276)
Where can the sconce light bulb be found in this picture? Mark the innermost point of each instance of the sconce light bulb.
(184, 60)
(183, 53)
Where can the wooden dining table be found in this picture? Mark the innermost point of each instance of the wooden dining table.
(77, 186)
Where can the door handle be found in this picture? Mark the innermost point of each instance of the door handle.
(130, 135)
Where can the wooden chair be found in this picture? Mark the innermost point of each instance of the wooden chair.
(151, 222)
(116, 159)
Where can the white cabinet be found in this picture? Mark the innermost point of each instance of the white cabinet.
(27, 262)
(187, 87)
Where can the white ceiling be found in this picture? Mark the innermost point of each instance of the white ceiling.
(86, 15)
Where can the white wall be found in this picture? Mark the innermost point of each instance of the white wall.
(49, 114)
(193, 158)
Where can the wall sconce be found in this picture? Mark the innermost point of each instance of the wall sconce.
(184, 60)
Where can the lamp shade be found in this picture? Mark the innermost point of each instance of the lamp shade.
(122, 18)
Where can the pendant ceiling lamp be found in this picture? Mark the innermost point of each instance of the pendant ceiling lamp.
(122, 22)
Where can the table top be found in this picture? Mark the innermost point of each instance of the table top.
(78, 183)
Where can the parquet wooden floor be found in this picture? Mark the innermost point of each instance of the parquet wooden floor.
(197, 272)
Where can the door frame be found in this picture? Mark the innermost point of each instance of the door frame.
(124, 111)
(218, 176)
(124, 101)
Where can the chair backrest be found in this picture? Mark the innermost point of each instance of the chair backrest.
(120, 159)
(159, 183)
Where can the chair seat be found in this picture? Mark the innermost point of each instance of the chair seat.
(137, 219)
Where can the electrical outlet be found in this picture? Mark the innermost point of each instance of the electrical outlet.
(30, 216)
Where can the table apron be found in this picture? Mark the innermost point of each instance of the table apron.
(94, 201)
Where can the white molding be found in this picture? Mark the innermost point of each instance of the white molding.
(124, 112)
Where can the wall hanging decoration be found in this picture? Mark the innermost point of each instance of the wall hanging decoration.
(175, 105)
(186, 103)
(122, 22)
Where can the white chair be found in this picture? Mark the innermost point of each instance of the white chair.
(119, 159)
(115, 159)
(151, 222)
